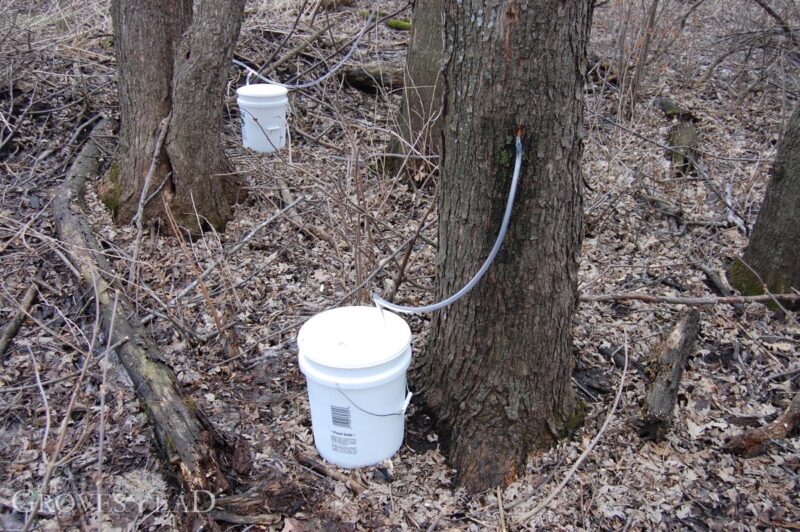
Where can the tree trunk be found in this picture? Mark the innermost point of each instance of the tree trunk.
(173, 58)
(497, 370)
(418, 124)
(774, 248)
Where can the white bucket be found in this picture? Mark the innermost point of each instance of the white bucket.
(355, 361)
(263, 110)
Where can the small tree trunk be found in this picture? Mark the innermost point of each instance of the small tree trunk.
(173, 59)
(418, 121)
(774, 248)
(497, 370)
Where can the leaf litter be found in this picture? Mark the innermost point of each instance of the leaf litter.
(341, 243)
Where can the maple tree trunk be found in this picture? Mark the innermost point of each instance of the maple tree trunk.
(497, 370)
(172, 60)
(774, 248)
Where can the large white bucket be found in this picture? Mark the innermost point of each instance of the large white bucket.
(355, 361)
(263, 110)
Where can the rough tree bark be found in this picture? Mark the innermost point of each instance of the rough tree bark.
(774, 248)
(417, 122)
(496, 373)
(665, 370)
(172, 57)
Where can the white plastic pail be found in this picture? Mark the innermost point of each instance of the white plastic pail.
(355, 361)
(263, 110)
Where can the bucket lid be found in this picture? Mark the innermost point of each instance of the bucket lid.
(262, 90)
(353, 337)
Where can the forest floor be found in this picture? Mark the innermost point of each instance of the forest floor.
(345, 239)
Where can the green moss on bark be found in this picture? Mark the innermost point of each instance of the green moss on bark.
(399, 24)
(569, 425)
(110, 190)
(743, 280)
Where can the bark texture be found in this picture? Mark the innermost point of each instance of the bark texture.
(497, 369)
(172, 57)
(419, 118)
(194, 452)
(665, 370)
(774, 248)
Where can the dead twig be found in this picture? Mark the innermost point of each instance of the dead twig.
(690, 301)
(401, 270)
(308, 461)
(22, 311)
(539, 507)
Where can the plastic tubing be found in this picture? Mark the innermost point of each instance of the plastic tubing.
(325, 76)
(383, 304)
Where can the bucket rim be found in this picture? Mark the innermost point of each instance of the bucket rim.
(357, 380)
(327, 339)
(262, 90)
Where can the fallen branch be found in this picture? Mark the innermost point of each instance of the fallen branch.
(374, 76)
(670, 357)
(753, 442)
(22, 311)
(308, 461)
(192, 449)
(689, 301)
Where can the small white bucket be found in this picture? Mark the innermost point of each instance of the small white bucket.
(355, 361)
(263, 110)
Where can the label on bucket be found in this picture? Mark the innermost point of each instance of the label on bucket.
(342, 442)
(340, 416)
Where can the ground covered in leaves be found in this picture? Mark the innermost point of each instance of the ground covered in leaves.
(347, 236)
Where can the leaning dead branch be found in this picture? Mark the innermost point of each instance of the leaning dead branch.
(245, 239)
(666, 369)
(195, 452)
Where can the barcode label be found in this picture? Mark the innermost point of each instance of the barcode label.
(340, 416)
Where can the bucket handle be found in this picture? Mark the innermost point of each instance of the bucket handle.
(400, 412)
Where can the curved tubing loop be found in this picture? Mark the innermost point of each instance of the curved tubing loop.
(383, 304)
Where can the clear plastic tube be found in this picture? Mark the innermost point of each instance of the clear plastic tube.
(325, 76)
(383, 304)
